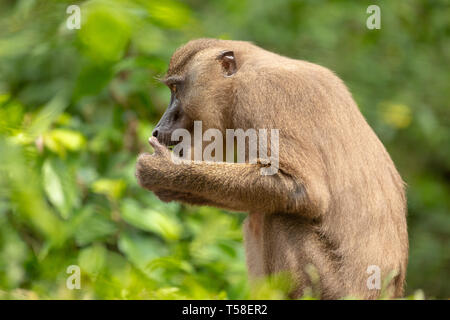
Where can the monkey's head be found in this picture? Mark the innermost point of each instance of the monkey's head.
(200, 79)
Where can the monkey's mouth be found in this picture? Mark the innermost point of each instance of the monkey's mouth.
(170, 144)
(166, 141)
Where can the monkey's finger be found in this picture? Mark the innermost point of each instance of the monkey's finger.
(158, 147)
(154, 143)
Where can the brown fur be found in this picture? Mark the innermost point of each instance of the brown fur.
(337, 202)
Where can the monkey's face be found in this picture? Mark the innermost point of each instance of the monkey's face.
(175, 116)
(199, 92)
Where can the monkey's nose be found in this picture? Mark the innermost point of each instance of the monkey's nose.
(155, 133)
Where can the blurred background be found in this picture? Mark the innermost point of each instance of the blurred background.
(77, 107)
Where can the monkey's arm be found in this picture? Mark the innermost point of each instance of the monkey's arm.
(166, 195)
(239, 185)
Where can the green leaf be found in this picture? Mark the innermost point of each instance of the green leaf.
(92, 226)
(168, 13)
(112, 188)
(92, 79)
(47, 116)
(105, 31)
(62, 140)
(92, 259)
(140, 250)
(165, 225)
(53, 188)
(60, 186)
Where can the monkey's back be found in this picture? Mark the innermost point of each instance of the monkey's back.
(326, 143)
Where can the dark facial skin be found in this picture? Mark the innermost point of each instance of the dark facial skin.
(174, 117)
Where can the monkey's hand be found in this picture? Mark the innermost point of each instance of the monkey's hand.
(151, 175)
(150, 167)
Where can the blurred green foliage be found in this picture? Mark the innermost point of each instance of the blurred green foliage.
(77, 106)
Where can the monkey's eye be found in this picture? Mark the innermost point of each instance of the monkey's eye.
(173, 87)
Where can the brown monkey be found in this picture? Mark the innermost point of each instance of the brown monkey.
(337, 201)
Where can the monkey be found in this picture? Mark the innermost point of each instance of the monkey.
(337, 202)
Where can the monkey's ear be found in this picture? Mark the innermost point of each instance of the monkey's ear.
(228, 62)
